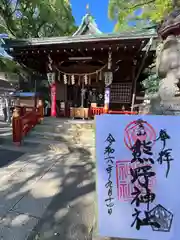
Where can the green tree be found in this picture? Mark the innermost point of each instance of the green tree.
(36, 18)
(150, 12)
(124, 11)
(151, 84)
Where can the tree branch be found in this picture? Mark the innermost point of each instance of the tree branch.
(15, 8)
(39, 28)
(5, 13)
(53, 28)
(138, 5)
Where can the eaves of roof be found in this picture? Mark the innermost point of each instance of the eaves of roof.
(10, 43)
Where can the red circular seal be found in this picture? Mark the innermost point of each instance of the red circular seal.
(138, 129)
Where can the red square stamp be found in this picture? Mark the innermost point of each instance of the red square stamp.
(123, 179)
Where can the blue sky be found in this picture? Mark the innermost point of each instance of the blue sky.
(98, 9)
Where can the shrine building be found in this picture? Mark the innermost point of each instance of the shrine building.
(90, 69)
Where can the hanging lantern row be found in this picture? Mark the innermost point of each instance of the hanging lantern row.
(86, 78)
(108, 78)
(69, 78)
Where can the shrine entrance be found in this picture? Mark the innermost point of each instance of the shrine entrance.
(84, 96)
(82, 90)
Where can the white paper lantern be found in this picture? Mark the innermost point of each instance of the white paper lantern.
(72, 80)
(108, 78)
(65, 78)
(51, 77)
(85, 79)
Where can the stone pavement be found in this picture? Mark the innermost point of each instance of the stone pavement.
(49, 193)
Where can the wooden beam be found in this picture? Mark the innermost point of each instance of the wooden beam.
(139, 72)
(76, 47)
(42, 59)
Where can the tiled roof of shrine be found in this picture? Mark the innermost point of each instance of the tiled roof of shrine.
(80, 38)
(87, 32)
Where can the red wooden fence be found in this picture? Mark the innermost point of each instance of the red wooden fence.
(96, 111)
(100, 110)
(24, 119)
(122, 112)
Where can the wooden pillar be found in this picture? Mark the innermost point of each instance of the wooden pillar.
(53, 99)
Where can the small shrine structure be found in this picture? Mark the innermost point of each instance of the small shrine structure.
(90, 69)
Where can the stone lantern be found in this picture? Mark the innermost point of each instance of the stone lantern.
(167, 101)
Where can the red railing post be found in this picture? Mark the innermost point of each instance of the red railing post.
(16, 127)
(40, 111)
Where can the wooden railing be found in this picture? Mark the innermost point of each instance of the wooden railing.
(122, 112)
(100, 110)
(24, 119)
(96, 111)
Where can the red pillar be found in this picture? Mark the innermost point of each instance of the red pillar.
(53, 99)
(17, 127)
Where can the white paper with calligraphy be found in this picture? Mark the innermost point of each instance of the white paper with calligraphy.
(138, 176)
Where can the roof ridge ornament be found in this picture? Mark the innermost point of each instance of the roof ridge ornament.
(88, 25)
(87, 8)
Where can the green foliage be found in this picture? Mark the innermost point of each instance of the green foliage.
(123, 11)
(151, 84)
(6, 64)
(36, 18)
